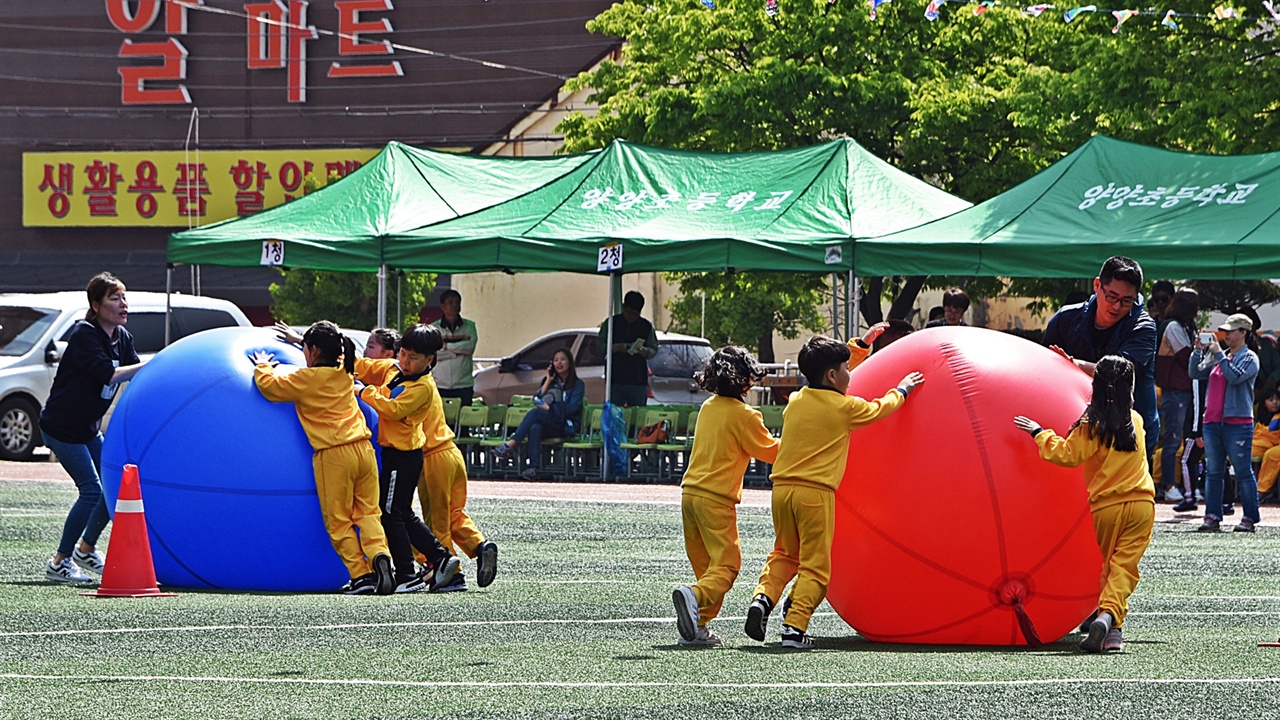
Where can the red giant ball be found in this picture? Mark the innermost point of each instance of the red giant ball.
(950, 529)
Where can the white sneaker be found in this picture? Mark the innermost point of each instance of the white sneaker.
(686, 613)
(92, 562)
(704, 636)
(1173, 494)
(66, 572)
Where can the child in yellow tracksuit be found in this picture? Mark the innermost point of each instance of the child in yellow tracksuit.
(401, 395)
(345, 468)
(1266, 444)
(728, 435)
(811, 463)
(442, 490)
(1109, 441)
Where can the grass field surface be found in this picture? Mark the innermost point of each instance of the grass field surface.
(579, 624)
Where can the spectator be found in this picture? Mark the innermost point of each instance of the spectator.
(452, 371)
(634, 342)
(955, 303)
(1175, 386)
(1228, 420)
(1161, 295)
(1268, 356)
(1113, 322)
(557, 412)
(935, 313)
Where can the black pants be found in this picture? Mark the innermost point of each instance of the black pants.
(397, 482)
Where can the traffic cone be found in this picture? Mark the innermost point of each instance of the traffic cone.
(130, 571)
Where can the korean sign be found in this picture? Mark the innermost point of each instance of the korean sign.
(170, 188)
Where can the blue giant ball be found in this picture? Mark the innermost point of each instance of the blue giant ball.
(226, 477)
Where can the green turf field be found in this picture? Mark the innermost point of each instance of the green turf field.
(579, 624)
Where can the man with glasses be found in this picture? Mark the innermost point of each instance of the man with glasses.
(1113, 322)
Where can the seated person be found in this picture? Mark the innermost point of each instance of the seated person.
(558, 412)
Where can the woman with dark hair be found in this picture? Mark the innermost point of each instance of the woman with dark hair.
(1108, 440)
(1228, 419)
(1175, 385)
(99, 357)
(558, 412)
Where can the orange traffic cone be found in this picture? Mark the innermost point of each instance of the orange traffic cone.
(130, 571)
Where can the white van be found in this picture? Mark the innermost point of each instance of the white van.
(33, 335)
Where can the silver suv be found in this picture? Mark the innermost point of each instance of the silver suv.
(33, 335)
(670, 371)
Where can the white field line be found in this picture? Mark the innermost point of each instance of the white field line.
(477, 623)
(656, 684)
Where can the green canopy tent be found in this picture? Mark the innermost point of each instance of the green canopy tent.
(344, 226)
(1180, 215)
(672, 210)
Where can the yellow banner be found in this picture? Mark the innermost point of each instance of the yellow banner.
(170, 188)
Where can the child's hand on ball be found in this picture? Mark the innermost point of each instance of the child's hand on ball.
(1026, 424)
(262, 357)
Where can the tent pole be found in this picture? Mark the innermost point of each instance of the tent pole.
(855, 303)
(168, 310)
(399, 302)
(835, 305)
(850, 322)
(382, 295)
(614, 281)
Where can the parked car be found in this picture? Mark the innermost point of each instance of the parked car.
(359, 337)
(670, 371)
(33, 335)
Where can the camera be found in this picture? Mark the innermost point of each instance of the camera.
(1206, 338)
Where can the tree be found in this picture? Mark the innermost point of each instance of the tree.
(348, 299)
(747, 308)
(1229, 296)
(972, 104)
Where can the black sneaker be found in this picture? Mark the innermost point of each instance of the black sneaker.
(363, 585)
(457, 584)
(686, 612)
(446, 572)
(786, 607)
(1098, 630)
(1187, 505)
(758, 616)
(1210, 525)
(410, 583)
(1084, 626)
(529, 474)
(386, 579)
(1229, 509)
(486, 563)
(796, 639)
(1245, 526)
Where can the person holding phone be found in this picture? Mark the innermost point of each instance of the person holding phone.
(557, 412)
(1228, 418)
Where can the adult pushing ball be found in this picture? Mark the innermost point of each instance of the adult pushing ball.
(949, 527)
(226, 476)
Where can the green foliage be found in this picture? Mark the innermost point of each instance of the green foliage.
(746, 308)
(1229, 296)
(973, 104)
(348, 299)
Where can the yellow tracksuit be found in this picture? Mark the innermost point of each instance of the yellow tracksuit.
(1266, 449)
(811, 463)
(345, 468)
(1122, 499)
(442, 490)
(728, 435)
(400, 417)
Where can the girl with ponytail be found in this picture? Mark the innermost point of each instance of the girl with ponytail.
(345, 467)
(1108, 440)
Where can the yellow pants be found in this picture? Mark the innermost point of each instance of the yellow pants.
(347, 484)
(804, 519)
(1124, 531)
(442, 490)
(1267, 449)
(711, 542)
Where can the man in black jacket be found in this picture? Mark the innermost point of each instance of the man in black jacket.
(1113, 322)
(634, 342)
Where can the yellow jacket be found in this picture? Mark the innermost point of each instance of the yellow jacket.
(728, 435)
(325, 399)
(1112, 476)
(815, 434)
(401, 409)
(1262, 435)
(435, 429)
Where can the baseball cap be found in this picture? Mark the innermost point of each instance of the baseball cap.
(1238, 321)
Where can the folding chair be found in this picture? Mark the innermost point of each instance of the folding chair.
(582, 455)
(642, 460)
(673, 456)
(514, 462)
